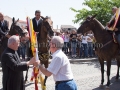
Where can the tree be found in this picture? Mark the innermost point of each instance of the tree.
(100, 7)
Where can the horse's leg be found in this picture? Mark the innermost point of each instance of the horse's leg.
(108, 73)
(45, 80)
(118, 65)
(46, 66)
(102, 71)
(26, 76)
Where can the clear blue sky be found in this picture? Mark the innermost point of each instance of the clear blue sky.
(59, 10)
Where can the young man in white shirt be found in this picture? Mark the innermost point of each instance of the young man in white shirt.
(85, 45)
(59, 67)
(66, 42)
(90, 43)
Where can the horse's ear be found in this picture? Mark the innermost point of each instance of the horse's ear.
(17, 20)
(93, 16)
(13, 19)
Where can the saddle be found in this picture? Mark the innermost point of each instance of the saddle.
(113, 35)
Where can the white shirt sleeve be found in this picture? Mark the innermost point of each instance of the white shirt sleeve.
(55, 65)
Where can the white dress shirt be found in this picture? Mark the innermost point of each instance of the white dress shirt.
(66, 38)
(60, 67)
(84, 39)
(37, 21)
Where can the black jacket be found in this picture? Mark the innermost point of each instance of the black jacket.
(12, 69)
(35, 26)
(3, 28)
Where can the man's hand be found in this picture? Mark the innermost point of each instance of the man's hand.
(7, 35)
(36, 63)
(31, 62)
(37, 32)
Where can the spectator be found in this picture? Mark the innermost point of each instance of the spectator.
(80, 45)
(73, 38)
(85, 45)
(90, 44)
(24, 39)
(66, 42)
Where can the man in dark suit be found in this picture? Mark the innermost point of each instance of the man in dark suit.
(37, 21)
(3, 26)
(12, 67)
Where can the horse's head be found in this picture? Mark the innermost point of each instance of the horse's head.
(15, 29)
(47, 26)
(87, 25)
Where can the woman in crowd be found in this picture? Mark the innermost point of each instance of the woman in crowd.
(73, 38)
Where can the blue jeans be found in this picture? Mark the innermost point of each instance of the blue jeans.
(66, 45)
(73, 47)
(23, 51)
(85, 47)
(70, 85)
(90, 49)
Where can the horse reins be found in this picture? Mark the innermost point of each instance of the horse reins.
(106, 43)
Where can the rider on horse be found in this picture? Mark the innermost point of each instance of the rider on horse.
(117, 28)
(37, 21)
(3, 27)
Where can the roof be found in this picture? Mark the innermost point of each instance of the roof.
(21, 21)
(56, 30)
(7, 17)
(67, 26)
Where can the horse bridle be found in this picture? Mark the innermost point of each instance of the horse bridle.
(17, 30)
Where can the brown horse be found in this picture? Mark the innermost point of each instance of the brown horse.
(14, 30)
(43, 45)
(107, 51)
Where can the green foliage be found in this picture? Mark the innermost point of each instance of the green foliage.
(100, 7)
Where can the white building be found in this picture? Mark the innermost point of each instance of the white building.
(21, 23)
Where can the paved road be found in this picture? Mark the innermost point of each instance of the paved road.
(86, 74)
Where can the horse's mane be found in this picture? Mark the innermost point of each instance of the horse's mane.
(99, 23)
(102, 32)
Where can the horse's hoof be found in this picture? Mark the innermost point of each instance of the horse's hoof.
(25, 82)
(107, 88)
(101, 86)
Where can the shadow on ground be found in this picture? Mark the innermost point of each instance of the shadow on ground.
(95, 63)
(115, 85)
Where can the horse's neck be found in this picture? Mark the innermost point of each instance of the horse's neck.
(100, 34)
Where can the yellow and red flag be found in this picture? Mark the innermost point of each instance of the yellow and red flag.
(34, 48)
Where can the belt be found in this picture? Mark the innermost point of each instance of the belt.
(58, 82)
